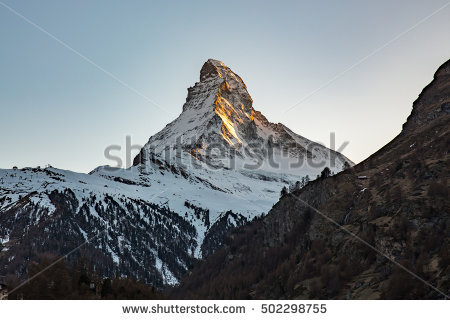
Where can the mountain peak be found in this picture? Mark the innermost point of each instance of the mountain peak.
(213, 69)
(443, 70)
(218, 115)
(210, 69)
(218, 81)
(433, 102)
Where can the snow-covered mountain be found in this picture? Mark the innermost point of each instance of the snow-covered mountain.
(220, 128)
(219, 164)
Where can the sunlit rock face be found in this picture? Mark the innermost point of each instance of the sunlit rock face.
(220, 128)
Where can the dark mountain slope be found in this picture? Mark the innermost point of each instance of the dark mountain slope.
(396, 200)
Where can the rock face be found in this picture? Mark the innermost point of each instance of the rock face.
(397, 201)
(216, 166)
(432, 103)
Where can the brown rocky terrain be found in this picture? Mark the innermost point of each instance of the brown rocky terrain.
(396, 201)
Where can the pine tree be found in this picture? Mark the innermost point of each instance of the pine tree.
(303, 182)
(283, 192)
(326, 172)
(346, 165)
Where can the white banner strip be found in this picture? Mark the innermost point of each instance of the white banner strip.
(217, 310)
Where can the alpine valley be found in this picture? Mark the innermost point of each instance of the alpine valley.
(217, 166)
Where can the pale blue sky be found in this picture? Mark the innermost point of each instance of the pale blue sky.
(56, 108)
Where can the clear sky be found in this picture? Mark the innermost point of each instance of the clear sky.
(58, 109)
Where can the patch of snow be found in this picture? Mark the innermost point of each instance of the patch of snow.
(83, 233)
(114, 256)
(168, 277)
(4, 240)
